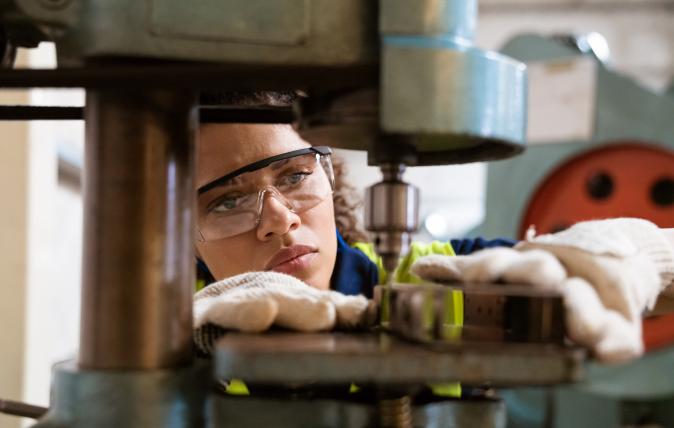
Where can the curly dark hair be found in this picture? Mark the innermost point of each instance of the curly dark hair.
(248, 99)
(346, 199)
(347, 203)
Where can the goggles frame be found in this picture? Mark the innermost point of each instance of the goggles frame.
(321, 150)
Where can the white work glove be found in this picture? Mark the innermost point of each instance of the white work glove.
(253, 302)
(609, 271)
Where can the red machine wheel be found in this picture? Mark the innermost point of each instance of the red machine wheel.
(627, 179)
(617, 180)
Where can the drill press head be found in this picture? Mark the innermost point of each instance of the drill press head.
(392, 214)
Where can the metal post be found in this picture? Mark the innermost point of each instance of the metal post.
(138, 273)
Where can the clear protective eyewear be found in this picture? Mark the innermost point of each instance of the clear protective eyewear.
(233, 203)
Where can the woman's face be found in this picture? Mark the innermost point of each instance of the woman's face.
(300, 244)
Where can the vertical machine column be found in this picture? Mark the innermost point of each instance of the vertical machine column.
(138, 273)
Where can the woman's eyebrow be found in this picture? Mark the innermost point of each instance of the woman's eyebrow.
(279, 164)
(237, 179)
(227, 183)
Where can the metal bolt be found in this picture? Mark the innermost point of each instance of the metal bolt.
(395, 413)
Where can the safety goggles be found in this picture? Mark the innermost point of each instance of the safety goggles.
(233, 203)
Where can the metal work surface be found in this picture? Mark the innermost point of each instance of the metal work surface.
(381, 358)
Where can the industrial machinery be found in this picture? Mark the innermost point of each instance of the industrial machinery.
(619, 164)
(400, 79)
(619, 161)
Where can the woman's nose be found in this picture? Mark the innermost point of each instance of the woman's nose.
(276, 218)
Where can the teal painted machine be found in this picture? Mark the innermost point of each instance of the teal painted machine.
(624, 111)
(626, 117)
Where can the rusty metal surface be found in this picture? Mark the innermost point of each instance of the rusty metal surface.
(383, 359)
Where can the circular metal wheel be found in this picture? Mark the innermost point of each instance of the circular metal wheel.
(617, 180)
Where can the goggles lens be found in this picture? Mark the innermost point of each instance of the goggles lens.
(235, 205)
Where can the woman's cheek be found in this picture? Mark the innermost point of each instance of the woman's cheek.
(322, 223)
(229, 257)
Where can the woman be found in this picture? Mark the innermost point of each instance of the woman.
(269, 217)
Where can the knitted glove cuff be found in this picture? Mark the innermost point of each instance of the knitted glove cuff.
(204, 338)
(620, 237)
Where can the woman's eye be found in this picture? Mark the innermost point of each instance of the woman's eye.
(226, 203)
(295, 178)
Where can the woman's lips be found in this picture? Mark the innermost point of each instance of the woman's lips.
(292, 259)
(295, 265)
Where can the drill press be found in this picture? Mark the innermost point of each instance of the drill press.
(400, 79)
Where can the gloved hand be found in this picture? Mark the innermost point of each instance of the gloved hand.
(253, 302)
(609, 271)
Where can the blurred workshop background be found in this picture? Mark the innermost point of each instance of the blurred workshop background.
(41, 162)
